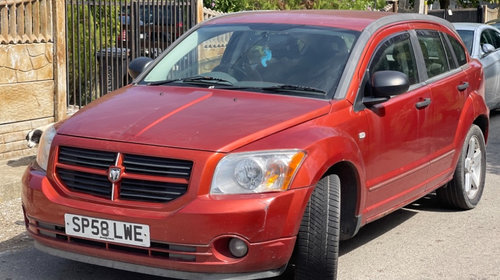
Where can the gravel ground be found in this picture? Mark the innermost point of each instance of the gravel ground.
(13, 235)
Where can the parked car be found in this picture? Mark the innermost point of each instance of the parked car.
(483, 43)
(258, 142)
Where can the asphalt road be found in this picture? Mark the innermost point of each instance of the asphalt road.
(420, 241)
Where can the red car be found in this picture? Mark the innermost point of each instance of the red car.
(258, 141)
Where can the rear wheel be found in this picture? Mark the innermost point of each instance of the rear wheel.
(316, 251)
(465, 189)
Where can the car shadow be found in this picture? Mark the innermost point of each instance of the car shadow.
(17, 242)
(372, 231)
(375, 229)
(24, 161)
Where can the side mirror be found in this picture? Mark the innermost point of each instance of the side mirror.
(385, 84)
(138, 65)
(487, 48)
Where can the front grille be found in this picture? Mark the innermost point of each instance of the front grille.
(85, 182)
(145, 178)
(150, 190)
(157, 166)
(86, 158)
(157, 250)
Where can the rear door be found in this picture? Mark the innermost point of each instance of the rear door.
(449, 84)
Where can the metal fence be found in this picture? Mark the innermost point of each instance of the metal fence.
(103, 36)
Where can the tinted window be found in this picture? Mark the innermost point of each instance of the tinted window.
(493, 38)
(459, 50)
(396, 54)
(436, 61)
(256, 57)
(468, 37)
(449, 53)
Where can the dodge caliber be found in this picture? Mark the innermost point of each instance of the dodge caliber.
(258, 142)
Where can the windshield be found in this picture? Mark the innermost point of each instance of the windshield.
(468, 37)
(275, 58)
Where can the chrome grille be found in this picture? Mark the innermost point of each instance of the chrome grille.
(146, 178)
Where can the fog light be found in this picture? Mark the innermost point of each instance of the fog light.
(238, 247)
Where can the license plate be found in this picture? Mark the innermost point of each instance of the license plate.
(107, 230)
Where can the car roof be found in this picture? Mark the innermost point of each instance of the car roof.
(471, 26)
(468, 25)
(346, 19)
(356, 20)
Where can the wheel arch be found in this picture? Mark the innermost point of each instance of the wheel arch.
(350, 198)
(483, 123)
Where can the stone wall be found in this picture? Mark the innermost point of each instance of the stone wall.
(26, 94)
(32, 70)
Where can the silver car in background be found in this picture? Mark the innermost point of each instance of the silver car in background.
(483, 43)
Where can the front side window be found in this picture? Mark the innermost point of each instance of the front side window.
(491, 37)
(435, 57)
(282, 58)
(396, 54)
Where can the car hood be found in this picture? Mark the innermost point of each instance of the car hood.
(183, 117)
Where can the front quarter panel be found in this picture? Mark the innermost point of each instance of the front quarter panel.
(327, 140)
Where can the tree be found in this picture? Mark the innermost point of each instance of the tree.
(90, 26)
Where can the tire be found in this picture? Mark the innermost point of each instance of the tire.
(316, 251)
(465, 189)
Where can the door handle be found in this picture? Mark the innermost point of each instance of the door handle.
(424, 103)
(463, 86)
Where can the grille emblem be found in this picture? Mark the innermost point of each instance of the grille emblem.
(114, 174)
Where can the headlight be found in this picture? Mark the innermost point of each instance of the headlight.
(42, 157)
(256, 172)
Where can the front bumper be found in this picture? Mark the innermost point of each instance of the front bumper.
(184, 242)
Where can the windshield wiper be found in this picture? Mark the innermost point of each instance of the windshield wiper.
(203, 80)
(278, 88)
(294, 88)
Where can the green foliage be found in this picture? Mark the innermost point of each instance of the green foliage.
(469, 3)
(239, 5)
(90, 28)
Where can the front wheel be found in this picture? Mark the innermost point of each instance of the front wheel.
(465, 189)
(316, 251)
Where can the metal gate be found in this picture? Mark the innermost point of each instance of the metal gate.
(103, 36)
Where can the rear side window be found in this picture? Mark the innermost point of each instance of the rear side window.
(458, 49)
(435, 58)
(449, 52)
